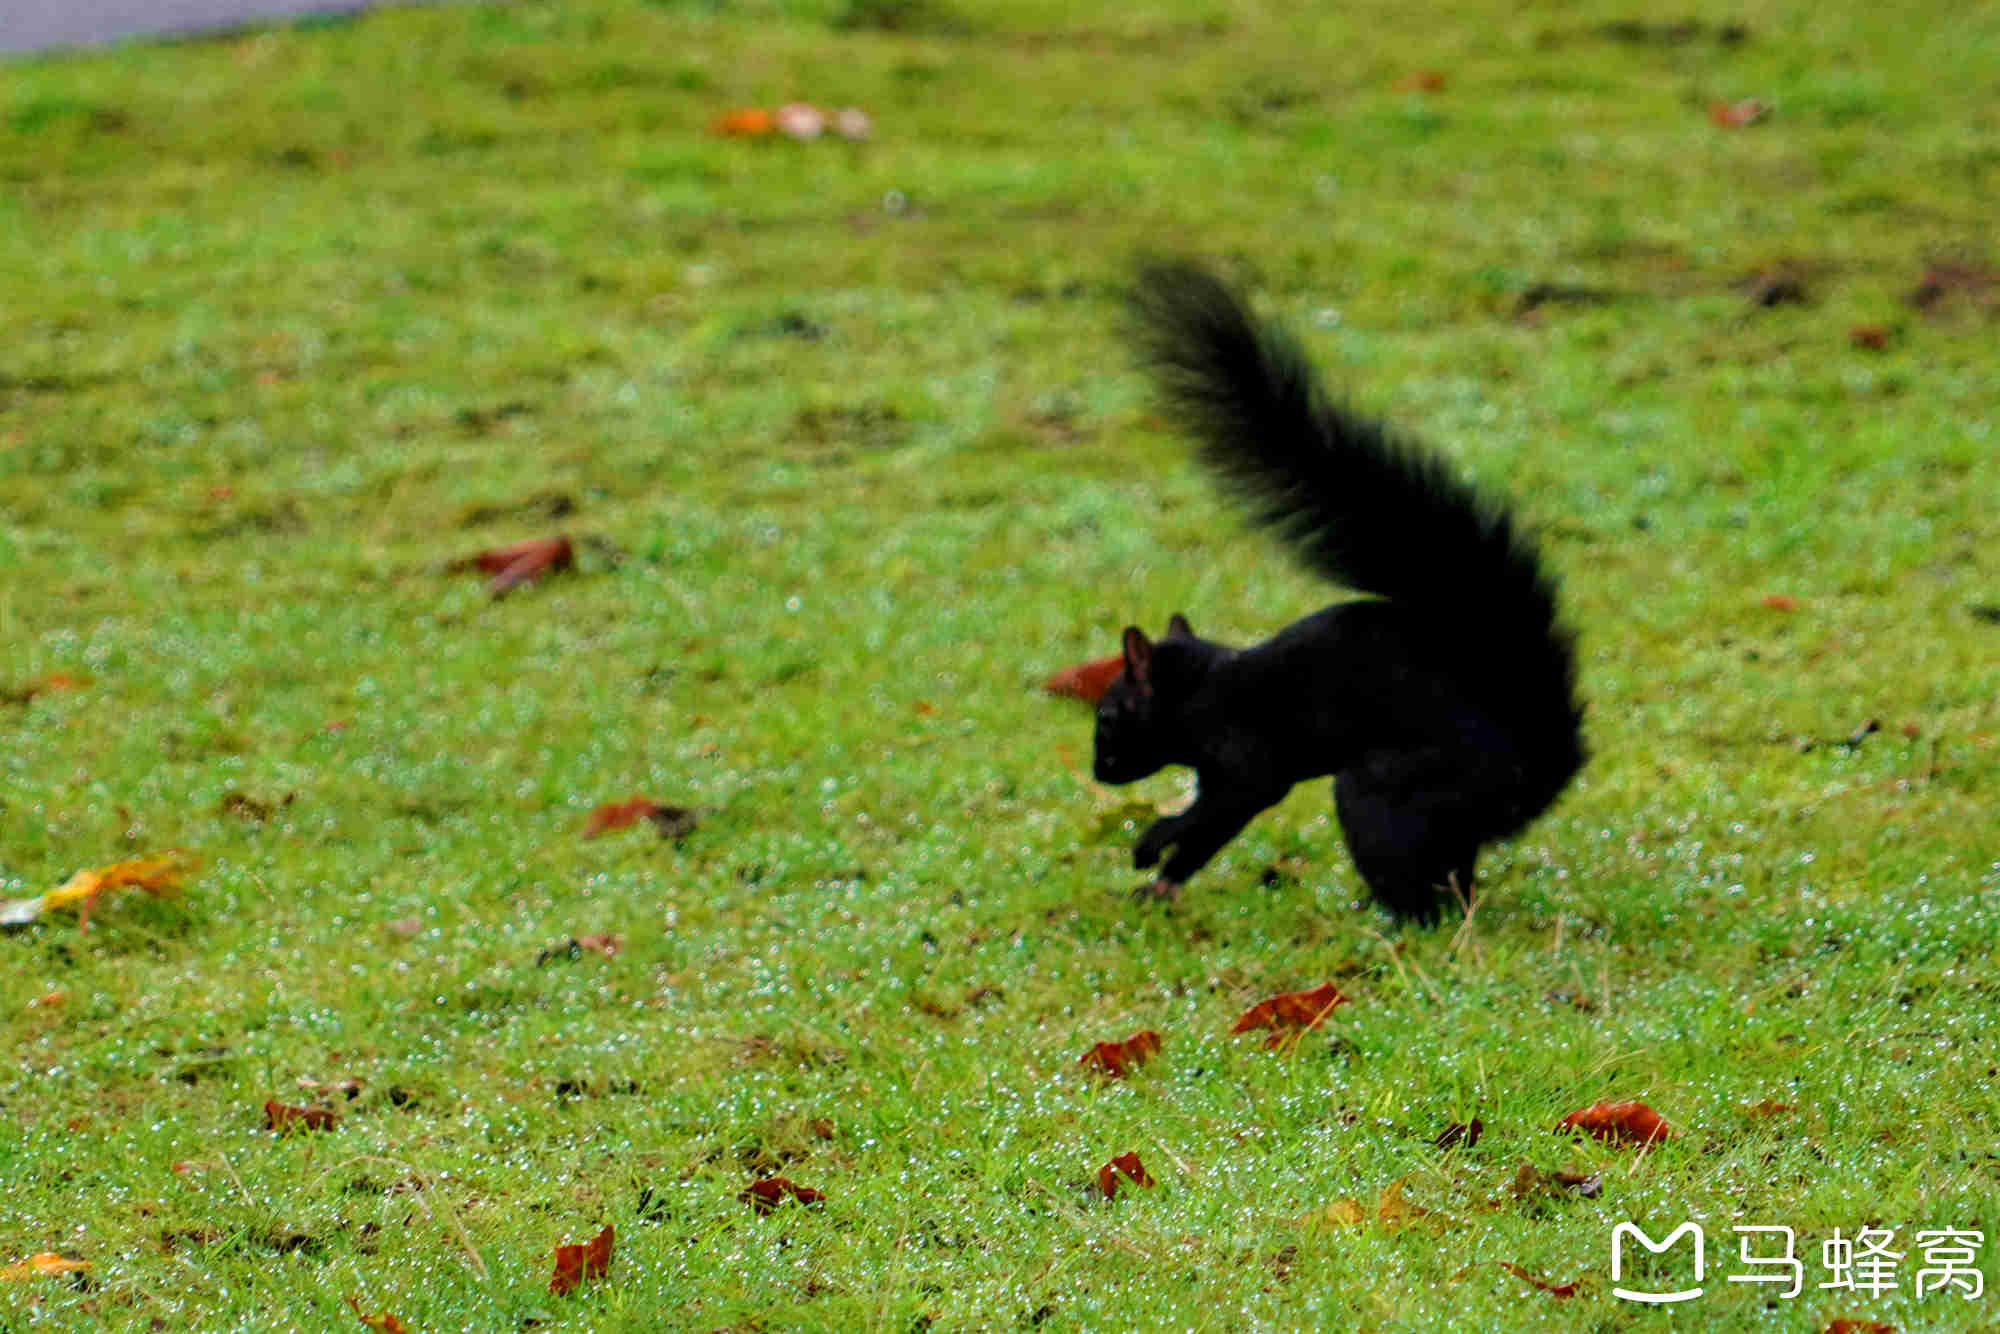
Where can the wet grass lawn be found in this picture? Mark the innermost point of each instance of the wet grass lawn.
(852, 456)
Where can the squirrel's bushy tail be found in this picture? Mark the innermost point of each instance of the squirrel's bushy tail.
(1358, 504)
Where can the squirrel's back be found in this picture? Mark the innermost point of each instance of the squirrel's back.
(1360, 505)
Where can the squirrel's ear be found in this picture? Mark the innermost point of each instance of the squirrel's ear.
(1178, 627)
(1139, 657)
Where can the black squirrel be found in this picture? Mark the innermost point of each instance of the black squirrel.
(1445, 707)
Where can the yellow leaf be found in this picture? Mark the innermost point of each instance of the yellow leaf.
(1341, 1213)
(1390, 1211)
(44, 1262)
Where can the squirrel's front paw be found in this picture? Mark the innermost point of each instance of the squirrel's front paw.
(1159, 836)
(1161, 890)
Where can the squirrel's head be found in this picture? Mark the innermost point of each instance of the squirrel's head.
(1135, 718)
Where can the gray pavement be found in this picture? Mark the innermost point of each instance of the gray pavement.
(36, 25)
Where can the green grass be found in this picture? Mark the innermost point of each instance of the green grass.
(854, 457)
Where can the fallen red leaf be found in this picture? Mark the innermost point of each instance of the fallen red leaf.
(1115, 1058)
(1553, 1289)
(388, 1324)
(1619, 1123)
(528, 561)
(1421, 81)
(1290, 1013)
(1735, 115)
(43, 685)
(1769, 1107)
(618, 814)
(1845, 1326)
(608, 945)
(283, 1116)
(512, 566)
(1779, 602)
(671, 821)
(1086, 680)
(766, 1195)
(1129, 1165)
(580, 1261)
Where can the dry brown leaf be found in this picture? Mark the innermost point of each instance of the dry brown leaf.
(1531, 1180)
(1460, 1132)
(1127, 1164)
(282, 1117)
(388, 1324)
(1116, 1058)
(671, 821)
(1869, 337)
(1290, 1013)
(512, 566)
(1553, 1289)
(1086, 680)
(580, 1261)
(1736, 115)
(43, 685)
(766, 1195)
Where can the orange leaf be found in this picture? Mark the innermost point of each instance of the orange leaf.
(767, 1194)
(1619, 1123)
(1844, 1326)
(1421, 81)
(608, 945)
(282, 1117)
(746, 122)
(159, 873)
(1127, 1163)
(42, 1262)
(1115, 1058)
(388, 1324)
(1086, 680)
(583, 1260)
(1779, 602)
(1763, 1111)
(1553, 1289)
(1291, 1013)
